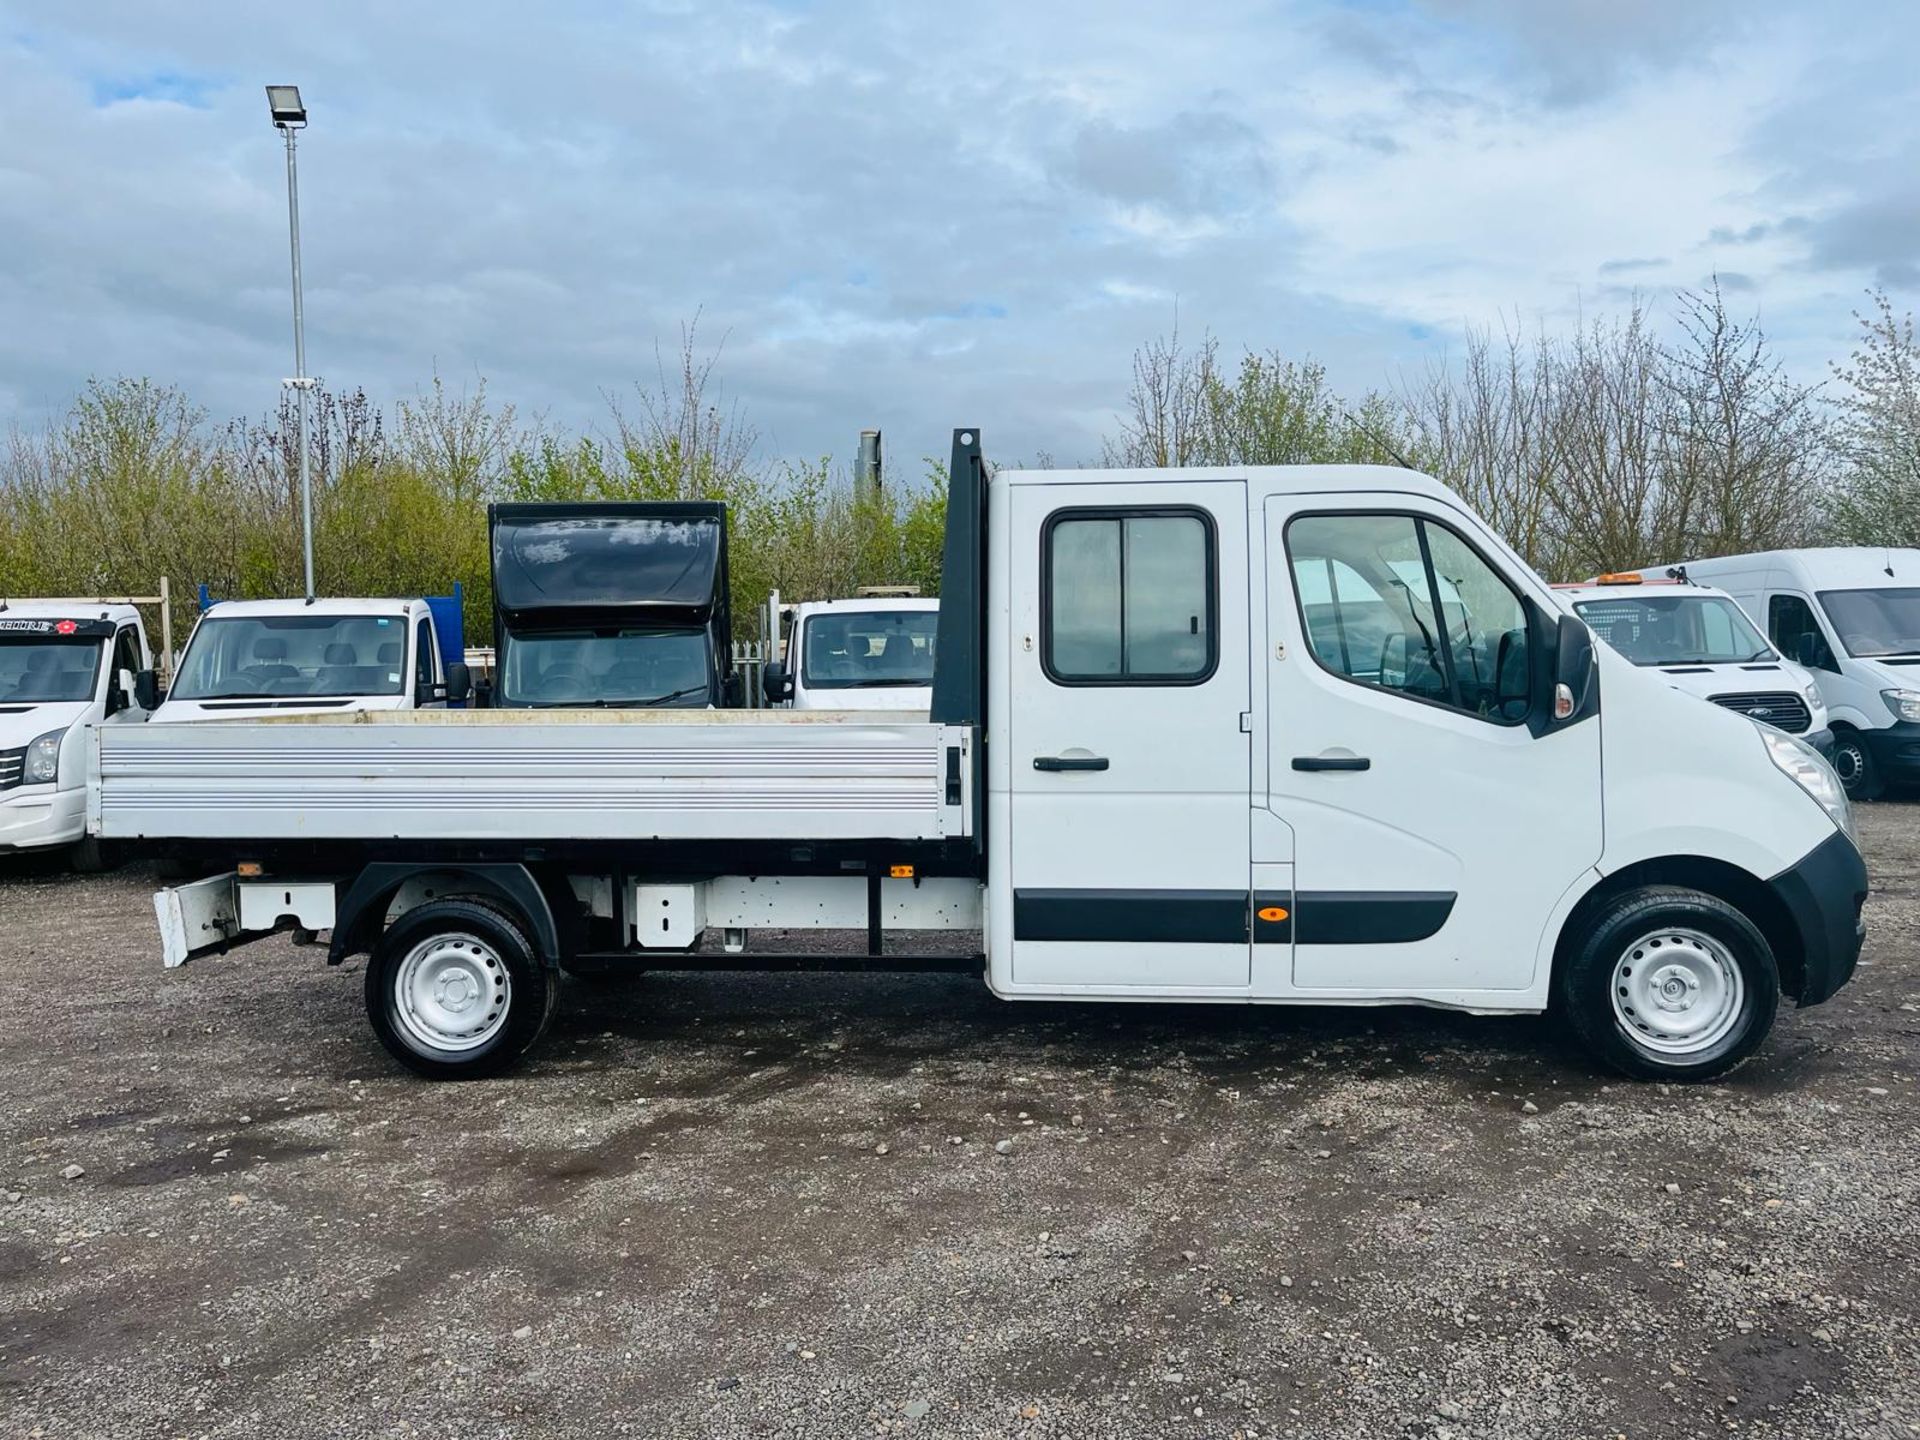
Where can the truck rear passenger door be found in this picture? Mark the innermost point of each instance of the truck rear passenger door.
(1129, 766)
(1434, 833)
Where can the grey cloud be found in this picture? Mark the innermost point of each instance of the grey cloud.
(1198, 163)
(1624, 267)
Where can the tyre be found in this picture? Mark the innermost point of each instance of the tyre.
(455, 991)
(89, 857)
(1854, 764)
(1665, 983)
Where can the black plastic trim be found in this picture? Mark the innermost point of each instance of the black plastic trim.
(1201, 917)
(1825, 893)
(363, 907)
(1369, 917)
(1228, 917)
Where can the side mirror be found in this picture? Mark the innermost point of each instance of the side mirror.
(1393, 661)
(1576, 687)
(483, 694)
(1807, 649)
(145, 688)
(459, 683)
(775, 683)
(1513, 676)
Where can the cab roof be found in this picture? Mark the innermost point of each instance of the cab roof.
(1832, 567)
(242, 609)
(56, 609)
(1262, 479)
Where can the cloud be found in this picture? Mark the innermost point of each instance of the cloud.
(909, 217)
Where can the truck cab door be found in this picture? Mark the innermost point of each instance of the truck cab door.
(1435, 832)
(1129, 769)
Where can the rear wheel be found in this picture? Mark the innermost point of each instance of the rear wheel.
(1854, 765)
(1668, 983)
(454, 990)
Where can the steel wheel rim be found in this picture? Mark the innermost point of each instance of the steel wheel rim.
(1677, 993)
(1849, 762)
(451, 993)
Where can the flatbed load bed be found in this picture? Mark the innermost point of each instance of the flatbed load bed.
(583, 775)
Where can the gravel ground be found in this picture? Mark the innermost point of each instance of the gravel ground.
(832, 1206)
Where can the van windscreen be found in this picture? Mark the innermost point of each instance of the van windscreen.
(1675, 629)
(1875, 623)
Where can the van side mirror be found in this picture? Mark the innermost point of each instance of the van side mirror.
(459, 682)
(1576, 684)
(1807, 649)
(775, 683)
(146, 690)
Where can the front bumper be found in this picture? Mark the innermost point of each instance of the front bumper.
(1895, 750)
(1824, 893)
(38, 818)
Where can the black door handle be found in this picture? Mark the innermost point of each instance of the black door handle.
(1332, 762)
(1069, 762)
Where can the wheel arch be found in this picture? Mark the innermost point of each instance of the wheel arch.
(1742, 889)
(363, 909)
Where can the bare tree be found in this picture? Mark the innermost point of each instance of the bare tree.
(683, 443)
(1744, 459)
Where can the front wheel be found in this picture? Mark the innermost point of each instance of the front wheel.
(454, 990)
(1853, 763)
(1665, 983)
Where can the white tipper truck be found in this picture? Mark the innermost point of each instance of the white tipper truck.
(1270, 735)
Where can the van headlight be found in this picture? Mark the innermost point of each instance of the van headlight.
(1802, 762)
(43, 759)
(1905, 704)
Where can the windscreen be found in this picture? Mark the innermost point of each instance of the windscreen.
(41, 669)
(1676, 629)
(873, 649)
(1875, 622)
(595, 560)
(290, 656)
(604, 666)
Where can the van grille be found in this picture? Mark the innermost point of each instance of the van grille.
(1781, 709)
(12, 762)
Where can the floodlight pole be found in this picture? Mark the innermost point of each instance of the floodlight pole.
(300, 383)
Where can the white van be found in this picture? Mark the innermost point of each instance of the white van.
(1240, 735)
(1700, 641)
(1851, 615)
(65, 666)
(249, 658)
(866, 654)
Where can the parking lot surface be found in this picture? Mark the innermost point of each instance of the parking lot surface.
(813, 1205)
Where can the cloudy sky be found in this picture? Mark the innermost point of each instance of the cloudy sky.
(917, 216)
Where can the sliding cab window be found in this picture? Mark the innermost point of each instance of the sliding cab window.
(1128, 597)
(1401, 603)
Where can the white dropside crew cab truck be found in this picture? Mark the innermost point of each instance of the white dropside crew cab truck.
(66, 666)
(1700, 641)
(1851, 615)
(1295, 735)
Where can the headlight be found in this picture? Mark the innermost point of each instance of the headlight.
(43, 759)
(1905, 704)
(1801, 761)
(1813, 698)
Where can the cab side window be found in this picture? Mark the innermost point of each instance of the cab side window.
(1128, 597)
(1796, 634)
(422, 657)
(1402, 603)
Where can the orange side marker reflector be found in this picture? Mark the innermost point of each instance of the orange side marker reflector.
(900, 872)
(1273, 913)
(248, 868)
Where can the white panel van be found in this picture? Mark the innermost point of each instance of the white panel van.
(1851, 615)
